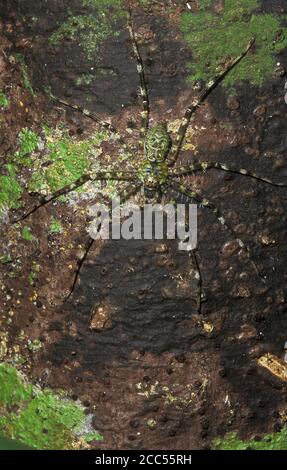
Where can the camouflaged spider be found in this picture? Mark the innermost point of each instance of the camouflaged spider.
(158, 169)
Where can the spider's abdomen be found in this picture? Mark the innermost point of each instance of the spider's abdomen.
(153, 171)
(157, 143)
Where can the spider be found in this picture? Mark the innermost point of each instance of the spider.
(158, 170)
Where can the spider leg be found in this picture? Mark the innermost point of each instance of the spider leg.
(196, 197)
(143, 85)
(197, 103)
(191, 169)
(198, 277)
(124, 196)
(80, 264)
(192, 255)
(91, 176)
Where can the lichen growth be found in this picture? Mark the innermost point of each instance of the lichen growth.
(40, 418)
(5, 259)
(92, 29)
(217, 37)
(85, 79)
(275, 441)
(34, 345)
(35, 269)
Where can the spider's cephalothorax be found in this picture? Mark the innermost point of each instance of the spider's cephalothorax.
(157, 171)
(153, 171)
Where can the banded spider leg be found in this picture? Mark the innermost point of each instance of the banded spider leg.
(212, 85)
(143, 86)
(125, 195)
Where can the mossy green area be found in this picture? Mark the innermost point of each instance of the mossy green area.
(215, 38)
(90, 30)
(67, 159)
(40, 418)
(26, 234)
(4, 102)
(10, 189)
(28, 142)
(275, 441)
(53, 158)
(55, 226)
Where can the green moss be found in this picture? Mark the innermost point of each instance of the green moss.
(93, 436)
(55, 226)
(92, 29)
(275, 441)
(12, 388)
(64, 160)
(68, 160)
(26, 234)
(43, 419)
(4, 102)
(215, 38)
(10, 189)
(28, 142)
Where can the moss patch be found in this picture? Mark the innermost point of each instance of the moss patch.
(4, 102)
(12, 388)
(55, 226)
(215, 38)
(10, 190)
(28, 142)
(275, 441)
(53, 159)
(40, 418)
(92, 29)
(26, 234)
(68, 159)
